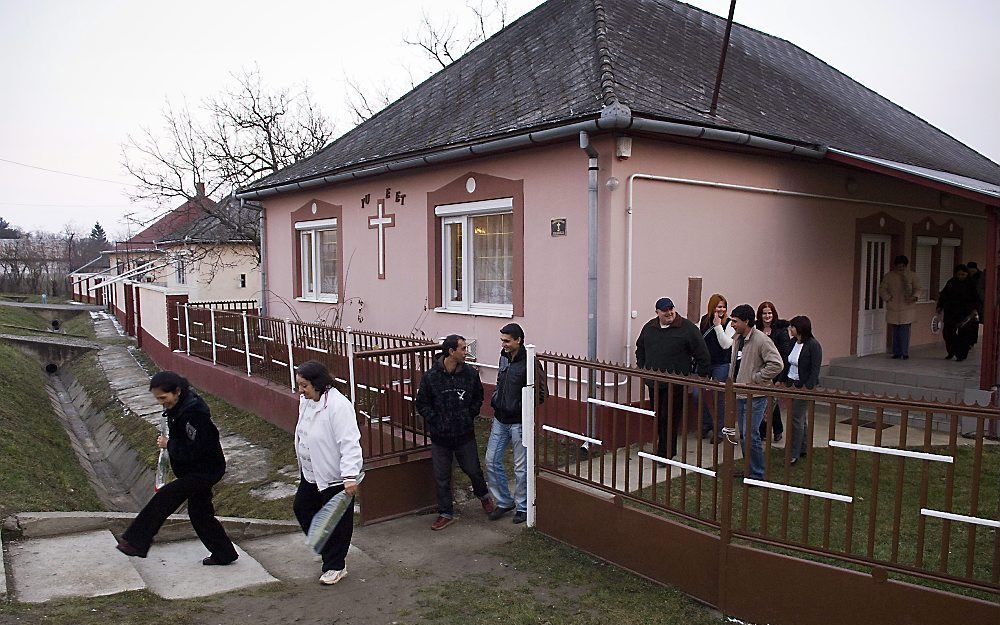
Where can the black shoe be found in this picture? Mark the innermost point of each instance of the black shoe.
(960, 358)
(499, 511)
(777, 437)
(905, 357)
(896, 356)
(213, 561)
(949, 356)
(125, 547)
(738, 473)
(520, 517)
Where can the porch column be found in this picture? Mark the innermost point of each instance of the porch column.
(988, 369)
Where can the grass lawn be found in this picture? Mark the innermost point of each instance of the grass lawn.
(558, 585)
(30, 430)
(13, 320)
(758, 511)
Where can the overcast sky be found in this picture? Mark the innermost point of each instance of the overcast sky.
(79, 76)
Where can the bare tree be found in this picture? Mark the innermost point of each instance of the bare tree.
(244, 133)
(441, 41)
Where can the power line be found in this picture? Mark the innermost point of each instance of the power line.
(67, 205)
(66, 173)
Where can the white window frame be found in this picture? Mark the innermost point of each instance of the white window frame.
(180, 270)
(946, 267)
(462, 214)
(310, 258)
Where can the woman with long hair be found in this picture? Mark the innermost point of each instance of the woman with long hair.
(198, 464)
(718, 332)
(776, 328)
(328, 448)
(804, 362)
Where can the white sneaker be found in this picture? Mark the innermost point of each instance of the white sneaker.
(332, 577)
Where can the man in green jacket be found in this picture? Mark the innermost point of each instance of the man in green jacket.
(671, 344)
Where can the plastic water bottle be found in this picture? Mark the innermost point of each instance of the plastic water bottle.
(163, 464)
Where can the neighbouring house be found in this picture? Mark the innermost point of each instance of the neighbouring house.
(191, 250)
(570, 170)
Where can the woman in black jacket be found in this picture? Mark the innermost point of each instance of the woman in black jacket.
(804, 361)
(198, 464)
(777, 330)
(959, 302)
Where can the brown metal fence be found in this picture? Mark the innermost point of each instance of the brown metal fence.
(887, 484)
(248, 305)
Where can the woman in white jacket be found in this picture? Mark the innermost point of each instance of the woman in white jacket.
(328, 448)
(718, 332)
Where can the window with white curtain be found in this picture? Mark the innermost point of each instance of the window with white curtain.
(922, 262)
(477, 256)
(949, 258)
(318, 259)
(180, 270)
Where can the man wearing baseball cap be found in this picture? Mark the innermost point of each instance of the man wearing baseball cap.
(672, 344)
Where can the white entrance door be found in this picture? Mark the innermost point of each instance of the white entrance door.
(871, 308)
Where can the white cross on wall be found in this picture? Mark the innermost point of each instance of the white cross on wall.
(381, 221)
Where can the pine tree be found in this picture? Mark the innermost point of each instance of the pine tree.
(97, 233)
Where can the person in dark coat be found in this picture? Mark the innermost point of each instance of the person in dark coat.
(802, 370)
(717, 330)
(776, 329)
(506, 428)
(958, 302)
(671, 344)
(198, 463)
(449, 400)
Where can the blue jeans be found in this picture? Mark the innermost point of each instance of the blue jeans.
(719, 373)
(501, 435)
(900, 339)
(759, 405)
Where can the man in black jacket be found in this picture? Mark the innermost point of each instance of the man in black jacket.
(506, 429)
(449, 400)
(671, 344)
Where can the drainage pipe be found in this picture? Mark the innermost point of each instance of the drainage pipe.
(730, 187)
(592, 169)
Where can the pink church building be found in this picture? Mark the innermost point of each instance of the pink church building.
(573, 168)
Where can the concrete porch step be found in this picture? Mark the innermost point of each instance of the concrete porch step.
(872, 386)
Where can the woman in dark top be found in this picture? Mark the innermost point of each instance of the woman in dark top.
(958, 301)
(198, 464)
(777, 330)
(717, 330)
(804, 360)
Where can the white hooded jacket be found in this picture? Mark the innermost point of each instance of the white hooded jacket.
(327, 440)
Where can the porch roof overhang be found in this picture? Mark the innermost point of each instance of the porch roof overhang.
(969, 188)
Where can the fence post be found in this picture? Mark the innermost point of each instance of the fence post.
(291, 359)
(211, 316)
(730, 440)
(528, 431)
(350, 362)
(187, 328)
(246, 341)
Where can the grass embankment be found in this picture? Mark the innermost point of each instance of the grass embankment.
(563, 586)
(127, 608)
(812, 529)
(30, 431)
(14, 320)
(230, 499)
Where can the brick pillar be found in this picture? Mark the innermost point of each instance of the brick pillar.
(172, 322)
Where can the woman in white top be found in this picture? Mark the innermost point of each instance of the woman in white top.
(804, 362)
(328, 448)
(718, 332)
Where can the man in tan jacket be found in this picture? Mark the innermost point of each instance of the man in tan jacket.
(900, 290)
(755, 360)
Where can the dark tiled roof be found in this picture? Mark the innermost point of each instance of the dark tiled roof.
(545, 69)
(199, 220)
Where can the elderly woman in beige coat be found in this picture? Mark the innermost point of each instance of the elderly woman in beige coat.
(900, 290)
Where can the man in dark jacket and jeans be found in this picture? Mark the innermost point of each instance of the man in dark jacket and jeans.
(506, 429)
(449, 400)
(669, 343)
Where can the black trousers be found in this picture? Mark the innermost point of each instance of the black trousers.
(777, 427)
(669, 417)
(468, 460)
(309, 500)
(196, 489)
(959, 340)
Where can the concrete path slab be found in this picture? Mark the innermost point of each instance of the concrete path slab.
(3, 573)
(288, 558)
(174, 571)
(74, 565)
